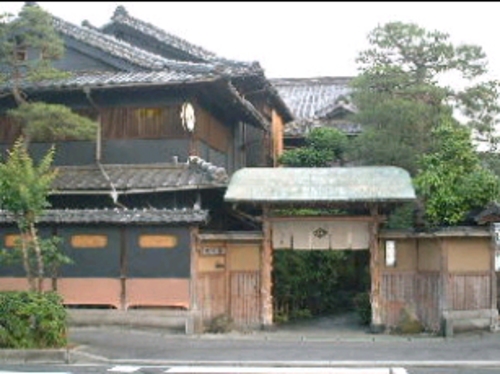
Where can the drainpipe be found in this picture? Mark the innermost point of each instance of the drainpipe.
(98, 148)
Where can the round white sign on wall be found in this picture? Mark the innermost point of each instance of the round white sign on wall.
(187, 116)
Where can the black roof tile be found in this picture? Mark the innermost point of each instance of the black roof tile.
(117, 216)
(195, 174)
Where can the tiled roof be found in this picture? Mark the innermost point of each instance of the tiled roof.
(122, 17)
(491, 213)
(116, 79)
(150, 78)
(300, 128)
(111, 45)
(146, 60)
(306, 97)
(138, 66)
(197, 173)
(311, 100)
(320, 185)
(236, 70)
(117, 216)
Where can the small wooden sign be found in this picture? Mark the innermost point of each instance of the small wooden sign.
(213, 251)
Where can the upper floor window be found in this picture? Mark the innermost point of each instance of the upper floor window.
(144, 115)
(21, 54)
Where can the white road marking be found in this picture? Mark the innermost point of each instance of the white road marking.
(276, 370)
(34, 372)
(124, 369)
(398, 371)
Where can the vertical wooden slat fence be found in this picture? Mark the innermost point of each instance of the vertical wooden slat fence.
(419, 291)
(211, 291)
(470, 291)
(245, 298)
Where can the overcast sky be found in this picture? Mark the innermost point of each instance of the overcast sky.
(303, 39)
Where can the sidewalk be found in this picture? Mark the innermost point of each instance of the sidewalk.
(335, 341)
(281, 348)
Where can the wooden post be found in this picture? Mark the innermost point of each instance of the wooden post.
(277, 136)
(123, 268)
(194, 321)
(266, 303)
(493, 276)
(375, 272)
(445, 297)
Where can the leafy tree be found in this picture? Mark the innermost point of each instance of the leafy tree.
(29, 45)
(48, 122)
(24, 188)
(324, 147)
(452, 180)
(400, 101)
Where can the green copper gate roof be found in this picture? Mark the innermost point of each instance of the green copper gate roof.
(314, 185)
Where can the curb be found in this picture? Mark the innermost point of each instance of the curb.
(311, 364)
(29, 356)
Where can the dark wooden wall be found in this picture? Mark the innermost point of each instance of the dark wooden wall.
(145, 134)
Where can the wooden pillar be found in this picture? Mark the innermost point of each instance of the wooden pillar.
(375, 273)
(123, 268)
(266, 303)
(194, 323)
(445, 301)
(277, 129)
(493, 276)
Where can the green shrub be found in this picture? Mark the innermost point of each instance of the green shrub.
(300, 314)
(314, 283)
(32, 320)
(408, 322)
(220, 324)
(363, 307)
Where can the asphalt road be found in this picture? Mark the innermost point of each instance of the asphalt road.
(109, 369)
(167, 349)
(124, 350)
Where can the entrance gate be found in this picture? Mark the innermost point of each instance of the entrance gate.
(228, 278)
(367, 191)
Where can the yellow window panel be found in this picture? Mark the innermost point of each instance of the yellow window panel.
(157, 241)
(89, 241)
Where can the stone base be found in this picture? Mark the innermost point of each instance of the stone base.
(377, 328)
(467, 320)
(270, 328)
(194, 322)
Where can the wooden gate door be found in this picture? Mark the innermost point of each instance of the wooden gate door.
(211, 285)
(228, 281)
(244, 283)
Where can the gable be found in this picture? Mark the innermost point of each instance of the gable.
(154, 39)
(91, 41)
(148, 43)
(76, 61)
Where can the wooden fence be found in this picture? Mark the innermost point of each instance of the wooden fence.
(419, 292)
(470, 291)
(236, 295)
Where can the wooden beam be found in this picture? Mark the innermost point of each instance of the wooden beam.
(266, 303)
(377, 325)
(380, 218)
